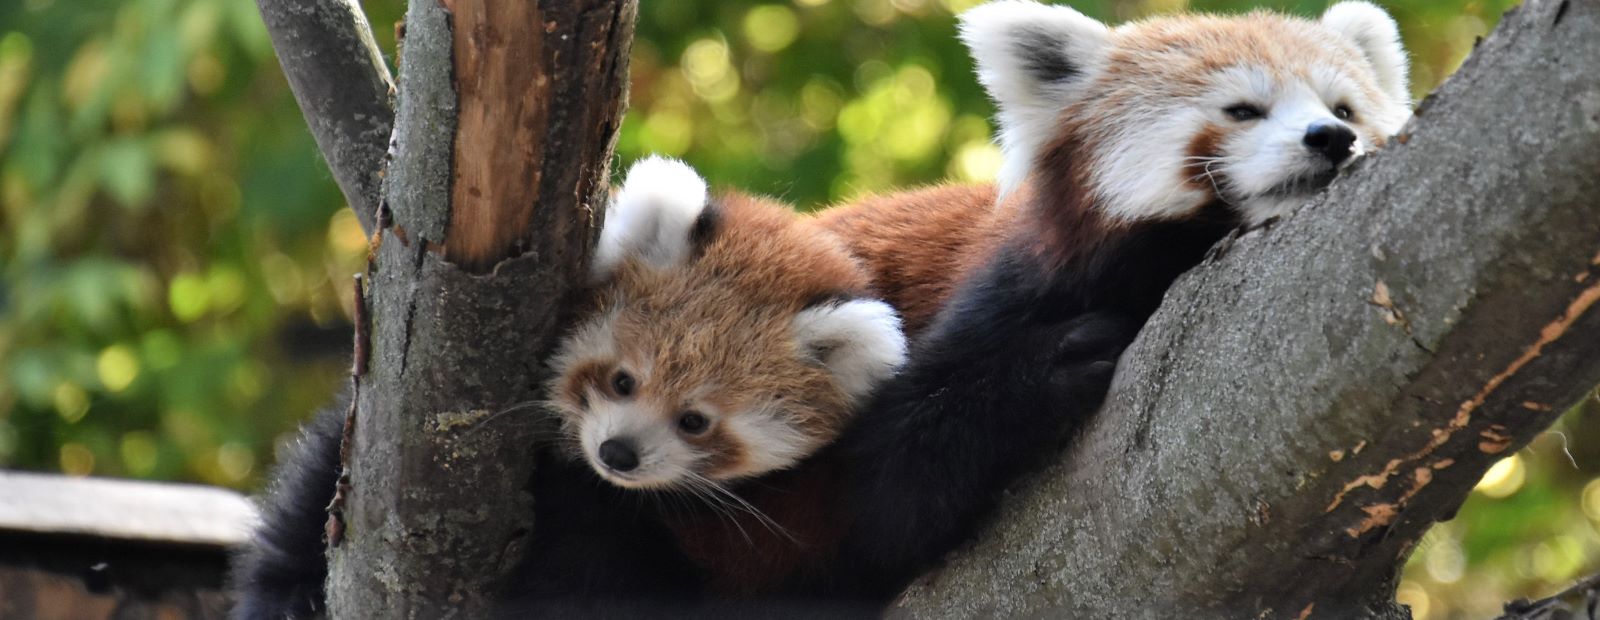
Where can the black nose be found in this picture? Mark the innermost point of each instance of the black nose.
(618, 455)
(1330, 139)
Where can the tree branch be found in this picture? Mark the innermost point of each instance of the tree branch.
(343, 87)
(508, 111)
(1306, 405)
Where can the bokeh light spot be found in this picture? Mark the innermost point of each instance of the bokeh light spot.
(709, 69)
(1445, 560)
(1591, 499)
(344, 233)
(283, 278)
(117, 367)
(72, 403)
(188, 297)
(977, 162)
(235, 460)
(1412, 594)
(668, 132)
(958, 6)
(76, 459)
(876, 12)
(771, 28)
(139, 453)
(1504, 478)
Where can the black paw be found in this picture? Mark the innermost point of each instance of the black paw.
(1085, 358)
(1092, 341)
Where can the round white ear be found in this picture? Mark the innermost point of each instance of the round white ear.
(651, 218)
(1033, 59)
(858, 341)
(1375, 33)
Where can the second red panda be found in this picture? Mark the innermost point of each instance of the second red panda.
(1104, 129)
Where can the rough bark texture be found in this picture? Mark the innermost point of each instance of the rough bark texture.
(1306, 405)
(461, 310)
(343, 87)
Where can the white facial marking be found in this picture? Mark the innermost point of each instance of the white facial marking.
(1269, 168)
(1137, 146)
(663, 457)
(771, 440)
(1262, 170)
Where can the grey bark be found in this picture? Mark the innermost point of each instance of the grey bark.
(435, 508)
(1304, 406)
(343, 87)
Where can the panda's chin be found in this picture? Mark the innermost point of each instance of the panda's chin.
(1284, 197)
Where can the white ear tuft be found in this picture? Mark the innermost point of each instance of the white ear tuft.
(859, 341)
(1378, 38)
(652, 217)
(1034, 59)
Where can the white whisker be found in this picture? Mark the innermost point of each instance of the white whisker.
(741, 503)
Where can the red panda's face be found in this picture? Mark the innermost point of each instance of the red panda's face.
(721, 346)
(1256, 112)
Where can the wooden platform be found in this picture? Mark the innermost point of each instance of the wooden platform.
(89, 548)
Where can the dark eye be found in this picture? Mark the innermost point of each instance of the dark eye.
(693, 422)
(622, 384)
(1244, 112)
(1343, 112)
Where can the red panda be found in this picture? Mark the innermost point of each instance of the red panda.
(724, 340)
(1128, 152)
(730, 339)
(1105, 128)
(734, 353)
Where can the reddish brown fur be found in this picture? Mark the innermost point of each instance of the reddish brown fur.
(920, 244)
(716, 333)
(1205, 145)
(917, 243)
(745, 556)
(1060, 204)
(717, 329)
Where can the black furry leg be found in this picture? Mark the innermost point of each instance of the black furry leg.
(1005, 374)
(598, 552)
(280, 573)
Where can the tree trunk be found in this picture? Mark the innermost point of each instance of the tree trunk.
(508, 112)
(1305, 405)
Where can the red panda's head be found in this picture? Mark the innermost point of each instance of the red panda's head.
(728, 337)
(1169, 114)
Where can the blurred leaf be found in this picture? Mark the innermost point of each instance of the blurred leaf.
(128, 171)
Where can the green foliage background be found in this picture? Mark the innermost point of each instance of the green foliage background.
(175, 260)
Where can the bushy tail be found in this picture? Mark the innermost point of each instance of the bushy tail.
(280, 572)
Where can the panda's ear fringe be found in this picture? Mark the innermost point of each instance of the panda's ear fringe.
(1377, 35)
(859, 341)
(1030, 53)
(1033, 60)
(651, 217)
